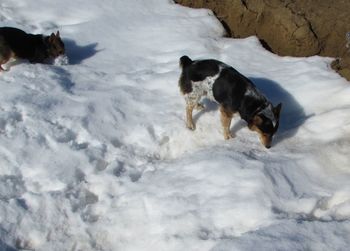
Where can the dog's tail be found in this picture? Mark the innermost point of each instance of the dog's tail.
(185, 61)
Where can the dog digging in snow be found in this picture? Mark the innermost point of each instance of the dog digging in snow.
(37, 48)
(232, 91)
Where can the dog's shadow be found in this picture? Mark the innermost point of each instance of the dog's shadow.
(78, 53)
(209, 106)
(292, 113)
(5, 247)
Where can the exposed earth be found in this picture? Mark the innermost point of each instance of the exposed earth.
(289, 27)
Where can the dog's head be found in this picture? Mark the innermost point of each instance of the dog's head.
(55, 45)
(266, 123)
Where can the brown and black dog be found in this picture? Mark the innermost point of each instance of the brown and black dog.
(37, 48)
(234, 93)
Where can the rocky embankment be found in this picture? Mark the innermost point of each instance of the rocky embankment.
(289, 27)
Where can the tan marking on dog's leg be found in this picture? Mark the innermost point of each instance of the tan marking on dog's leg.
(226, 117)
(189, 119)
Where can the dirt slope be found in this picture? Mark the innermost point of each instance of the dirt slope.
(289, 27)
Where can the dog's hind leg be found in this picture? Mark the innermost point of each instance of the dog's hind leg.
(191, 103)
(1, 68)
(226, 117)
(1, 63)
(5, 56)
(189, 119)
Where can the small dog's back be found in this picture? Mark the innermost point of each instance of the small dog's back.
(34, 47)
(196, 71)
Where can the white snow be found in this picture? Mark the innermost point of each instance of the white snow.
(95, 154)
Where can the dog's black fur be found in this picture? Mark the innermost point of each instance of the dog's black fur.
(233, 91)
(15, 43)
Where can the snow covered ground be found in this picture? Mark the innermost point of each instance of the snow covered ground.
(95, 155)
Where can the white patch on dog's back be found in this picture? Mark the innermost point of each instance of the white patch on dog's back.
(205, 87)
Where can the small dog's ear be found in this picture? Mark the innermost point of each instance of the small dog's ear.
(277, 110)
(52, 37)
(58, 34)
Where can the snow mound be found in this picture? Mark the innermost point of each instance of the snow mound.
(95, 155)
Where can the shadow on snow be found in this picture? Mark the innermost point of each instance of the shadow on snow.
(78, 53)
(5, 247)
(292, 113)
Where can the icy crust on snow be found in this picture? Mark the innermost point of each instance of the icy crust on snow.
(95, 155)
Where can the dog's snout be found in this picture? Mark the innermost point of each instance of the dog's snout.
(266, 140)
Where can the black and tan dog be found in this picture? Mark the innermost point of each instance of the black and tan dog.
(233, 91)
(15, 43)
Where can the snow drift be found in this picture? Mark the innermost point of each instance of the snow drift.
(95, 155)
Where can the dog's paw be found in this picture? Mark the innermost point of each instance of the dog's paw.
(229, 135)
(3, 69)
(191, 126)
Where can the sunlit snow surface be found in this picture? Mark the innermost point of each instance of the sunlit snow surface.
(95, 155)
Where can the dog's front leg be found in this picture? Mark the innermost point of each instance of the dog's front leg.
(226, 117)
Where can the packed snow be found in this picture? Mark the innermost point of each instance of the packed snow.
(95, 154)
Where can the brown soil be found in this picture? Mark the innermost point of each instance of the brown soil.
(289, 27)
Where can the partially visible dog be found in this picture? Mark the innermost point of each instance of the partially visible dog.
(15, 43)
(234, 93)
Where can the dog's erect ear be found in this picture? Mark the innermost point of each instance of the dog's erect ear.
(277, 110)
(58, 34)
(52, 37)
